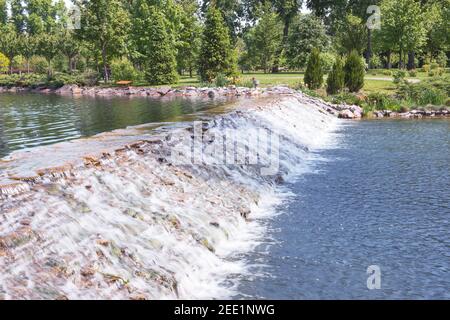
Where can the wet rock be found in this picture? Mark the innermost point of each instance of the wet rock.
(346, 114)
(245, 212)
(103, 242)
(215, 224)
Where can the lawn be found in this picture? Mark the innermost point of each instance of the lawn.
(373, 83)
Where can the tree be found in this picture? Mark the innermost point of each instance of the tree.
(3, 12)
(189, 40)
(314, 71)
(105, 24)
(287, 10)
(351, 35)
(216, 53)
(18, 15)
(265, 39)
(307, 32)
(4, 62)
(336, 78)
(48, 47)
(70, 47)
(403, 28)
(9, 43)
(28, 47)
(232, 13)
(156, 46)
(354, 72)
(438, 37)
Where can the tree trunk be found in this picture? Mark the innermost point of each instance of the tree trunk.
(389, 56)
(105, 67)
(190, 72)
(411, 60)
(400, 59)
(28, 66)
(70, 65)
(369, 47)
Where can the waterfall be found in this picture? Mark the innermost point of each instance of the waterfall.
(138, 223)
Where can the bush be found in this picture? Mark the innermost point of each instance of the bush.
(434, 66)
(123, 69)
(387, 72)
(422, 94)
(335, 81)
(314, 71)
(442, 59)
(436, 72)
(354, 72)
(4, 63)
(426, 68)
(39, 64)
(328, 60)
(382, 101)
(221, 80)
(413, 73)
(89, 78)
(399, 76)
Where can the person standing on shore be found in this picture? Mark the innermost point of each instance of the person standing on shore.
(255, 83)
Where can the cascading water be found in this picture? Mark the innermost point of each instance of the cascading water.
(132, 224)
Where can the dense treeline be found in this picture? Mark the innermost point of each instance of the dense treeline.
(157, 40)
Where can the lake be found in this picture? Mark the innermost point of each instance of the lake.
(379, 196)
(30, 120)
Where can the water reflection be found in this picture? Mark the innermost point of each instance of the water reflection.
(29, 120)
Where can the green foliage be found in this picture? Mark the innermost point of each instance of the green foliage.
(216, 54)
(4, 63)
(412, 73)
(423, 94)
(399, 76)
(221, 80)
(38, 64)
(328, 59)
(159, 53)
(123, 69)
(442, 59)
(336, 78)
(351, 35)
(314, 71)
(307, 32)
(264, 40)
(354, 72)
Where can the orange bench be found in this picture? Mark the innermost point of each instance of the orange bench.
(124, 83)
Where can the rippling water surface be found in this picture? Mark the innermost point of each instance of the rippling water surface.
(29, 120)
(380, 196)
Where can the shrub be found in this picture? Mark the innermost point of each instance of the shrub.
(422, 94)
(335, 81)
(436, 72)
(434, 66)
(399, 76)
(221, 80)
(413, 73)
(123, 69)
(442, 59)
(328, 60)
(387, 72)
(39, 64)
(4, 63)
(382, 101)
(354, 72)
(89, 78)
(426, 68)
(314, 71)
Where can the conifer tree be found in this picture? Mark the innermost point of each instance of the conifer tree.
(314, 71)
(216, 53)
(354, 72)
(155, 46)
(335, 81)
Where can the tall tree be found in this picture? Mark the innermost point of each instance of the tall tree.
(354, 72)
(351, 35)
(155, 46)
(105, 24)
(28, 48)
(287, 10)
(216, 53)
(9, 43)
(3, 12)
(336, 78)
(307, 32)
(265, 39)
(402, 28)
(18, 15)
(189, 39)
(232, 13)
